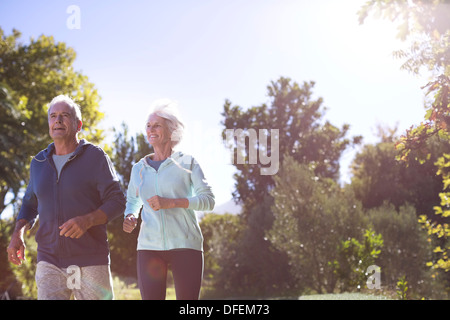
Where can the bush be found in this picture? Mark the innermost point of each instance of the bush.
(355, 258)
(312, 217)
(221, 234)
(405, 250)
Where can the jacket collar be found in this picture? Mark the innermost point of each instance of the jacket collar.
(174, 157)
(48, 152)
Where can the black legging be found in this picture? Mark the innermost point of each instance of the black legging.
(187, 271)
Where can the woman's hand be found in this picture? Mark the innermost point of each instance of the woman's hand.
(129, 223)
(157, 203)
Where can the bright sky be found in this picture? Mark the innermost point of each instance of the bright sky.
(201, 52)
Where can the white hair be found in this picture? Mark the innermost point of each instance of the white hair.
(67, 100)
(167, 109)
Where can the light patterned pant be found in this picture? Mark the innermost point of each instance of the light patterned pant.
(84, 283)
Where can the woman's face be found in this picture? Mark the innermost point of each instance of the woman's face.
(157, 131)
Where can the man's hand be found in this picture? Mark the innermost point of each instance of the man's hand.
(76, 227)
(16, 248)
(16, 251)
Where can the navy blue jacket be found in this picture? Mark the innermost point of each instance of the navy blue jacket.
(87, 182)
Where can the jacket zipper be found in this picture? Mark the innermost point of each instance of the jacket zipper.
(68, 160)
(60, 218)
(161, 213)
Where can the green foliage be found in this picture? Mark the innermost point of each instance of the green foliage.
(7, 280)
(402, 288)
(265, 271)
(308, 139)
(438, 227)
(303, 135)
(42, 70)
(406, 248)
(13, 135)
(25, 273)
(31, 75)
(437, 122)
(127, 151)
(426, 25)
(354, 257)
(18, 281)
(378, 177)
(222, 234)
(313, 216)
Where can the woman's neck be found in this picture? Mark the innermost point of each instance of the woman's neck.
(162, 152)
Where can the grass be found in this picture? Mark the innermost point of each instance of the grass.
(126, 289)
(344, 296)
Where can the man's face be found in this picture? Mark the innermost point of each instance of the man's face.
(62, 122)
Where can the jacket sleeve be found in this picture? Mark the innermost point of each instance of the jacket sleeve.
(203, 199)
(28, 210)
(134, 202)
(108, 186)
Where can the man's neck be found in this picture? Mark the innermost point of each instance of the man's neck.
(63, 147)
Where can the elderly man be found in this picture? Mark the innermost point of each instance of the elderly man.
(74, 190)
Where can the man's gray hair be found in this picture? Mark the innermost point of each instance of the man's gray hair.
(67, 100)
(167, 109)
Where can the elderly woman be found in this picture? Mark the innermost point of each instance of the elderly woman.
(169, 186)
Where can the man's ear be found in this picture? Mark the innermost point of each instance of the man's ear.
(79, 125)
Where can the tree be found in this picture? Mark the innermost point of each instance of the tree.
(439, 227)
(33, 74)
(379, 177)
(405, 249)
(426, 25)
(302, 134)
(222, 233)
(13, 135)
(313, 215)
(354, 259)
(263, 269)
(8, 281)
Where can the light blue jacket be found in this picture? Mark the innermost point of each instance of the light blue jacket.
(179, 176)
